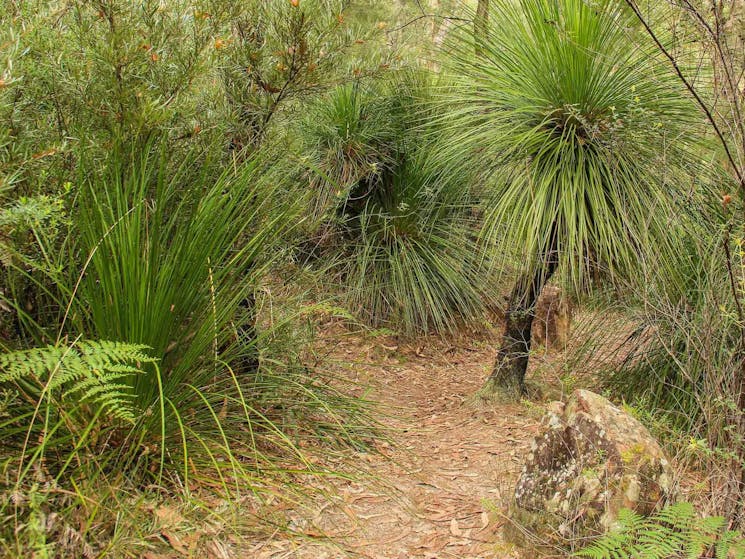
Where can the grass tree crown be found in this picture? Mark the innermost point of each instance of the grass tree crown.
(578, 128)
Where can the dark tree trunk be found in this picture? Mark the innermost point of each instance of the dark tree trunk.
(241, 148)
(508, 375)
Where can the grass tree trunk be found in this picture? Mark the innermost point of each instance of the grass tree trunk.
(508, 375)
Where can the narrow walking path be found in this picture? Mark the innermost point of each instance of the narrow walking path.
(435, 486)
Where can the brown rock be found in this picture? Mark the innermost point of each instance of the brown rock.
(589, 461)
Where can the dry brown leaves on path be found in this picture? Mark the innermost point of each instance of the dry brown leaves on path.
(432, 490)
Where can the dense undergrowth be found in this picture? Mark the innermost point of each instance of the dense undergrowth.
(162, 165)
(401, 238)
(144, 208)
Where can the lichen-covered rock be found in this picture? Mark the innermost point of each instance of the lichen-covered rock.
(589, 461)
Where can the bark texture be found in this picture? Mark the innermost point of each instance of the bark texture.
(508, 375)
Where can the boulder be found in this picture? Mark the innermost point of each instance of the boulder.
(589, 461)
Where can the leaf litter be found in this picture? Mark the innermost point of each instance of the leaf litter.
(432, 488)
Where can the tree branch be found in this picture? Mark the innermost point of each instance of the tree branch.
(692, 90)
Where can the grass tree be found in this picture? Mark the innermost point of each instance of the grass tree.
(577, 131)
(399, 236)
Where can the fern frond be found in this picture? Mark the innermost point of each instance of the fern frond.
(31, 362)
(93, 372)
(674, 532)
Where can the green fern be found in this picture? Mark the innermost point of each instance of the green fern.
(93, 372)
(676, 532)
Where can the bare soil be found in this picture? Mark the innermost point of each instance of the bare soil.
(437, 487)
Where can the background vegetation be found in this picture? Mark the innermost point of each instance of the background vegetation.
(161, 163)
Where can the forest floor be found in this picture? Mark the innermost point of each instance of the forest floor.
(436, 488)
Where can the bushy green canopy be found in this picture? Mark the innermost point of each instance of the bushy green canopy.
(576, 127)
(400, 236)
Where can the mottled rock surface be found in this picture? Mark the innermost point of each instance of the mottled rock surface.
(589, 461)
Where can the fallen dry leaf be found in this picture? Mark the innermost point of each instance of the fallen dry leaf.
(455, 529)
(175, 542)
(218, 550)
(443, 454)
(168, 516)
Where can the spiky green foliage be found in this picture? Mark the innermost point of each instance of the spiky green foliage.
(413, 262)
(400, 234)
(92, 373)
(678, 319)
(170, 255)
(576, 125)
(676, 531)
(350, 138)
(173, 252)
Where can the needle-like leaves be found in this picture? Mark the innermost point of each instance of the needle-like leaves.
(574, 124)
(402, 236)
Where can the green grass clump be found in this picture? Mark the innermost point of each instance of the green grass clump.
(200, 390)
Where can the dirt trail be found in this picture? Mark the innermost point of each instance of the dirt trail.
(434, 483)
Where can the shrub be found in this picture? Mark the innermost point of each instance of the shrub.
(399, 235)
